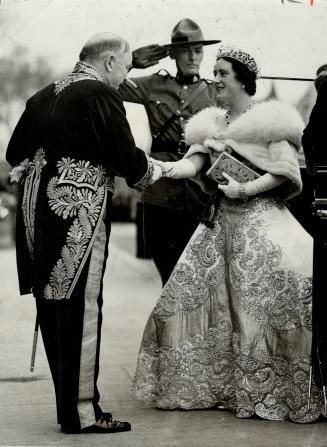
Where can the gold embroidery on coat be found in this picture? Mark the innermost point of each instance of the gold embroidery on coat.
(31, 187)
(79, 191)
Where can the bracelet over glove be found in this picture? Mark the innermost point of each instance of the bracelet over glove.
(236, 190)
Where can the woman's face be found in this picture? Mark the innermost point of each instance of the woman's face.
(228, 87)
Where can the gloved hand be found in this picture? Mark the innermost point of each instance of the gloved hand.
(232, 189)
(183, 168)
(215, 145)
(164, 165)
(157, 174)
(149, 55)
(236, 190)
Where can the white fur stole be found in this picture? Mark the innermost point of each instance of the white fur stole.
(268, 135)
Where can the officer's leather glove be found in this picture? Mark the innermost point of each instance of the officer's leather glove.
(149, 55)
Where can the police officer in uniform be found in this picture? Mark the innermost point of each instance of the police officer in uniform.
(172, 208)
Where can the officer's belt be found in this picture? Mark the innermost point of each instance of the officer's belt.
(178, 112)
(178, 148)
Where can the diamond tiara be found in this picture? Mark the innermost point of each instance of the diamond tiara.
(239, 55)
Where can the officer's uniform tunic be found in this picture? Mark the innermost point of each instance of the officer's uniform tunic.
(172, 208)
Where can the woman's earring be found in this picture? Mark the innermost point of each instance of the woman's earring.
(243, 86)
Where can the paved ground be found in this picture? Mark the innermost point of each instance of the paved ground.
(27, 410)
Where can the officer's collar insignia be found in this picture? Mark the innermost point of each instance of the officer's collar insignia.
(187, 79)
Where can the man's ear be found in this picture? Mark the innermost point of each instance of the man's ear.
(108, 61)
(171, 54)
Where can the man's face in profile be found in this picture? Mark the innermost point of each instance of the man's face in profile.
(120, 65)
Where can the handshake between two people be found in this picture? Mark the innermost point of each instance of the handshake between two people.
(172, 169)
(189, 167)
(184, 168)
(180, 169)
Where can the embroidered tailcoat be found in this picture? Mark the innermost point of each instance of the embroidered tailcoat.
(76, 138)
(70, 143)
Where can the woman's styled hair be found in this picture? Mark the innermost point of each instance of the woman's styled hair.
(244, 75)
(321, 76)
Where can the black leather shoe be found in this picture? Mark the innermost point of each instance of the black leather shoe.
(105, 424)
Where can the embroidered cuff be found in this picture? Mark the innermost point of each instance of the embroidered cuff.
(146, 179)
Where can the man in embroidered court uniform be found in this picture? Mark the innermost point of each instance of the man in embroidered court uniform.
(172, 209)
(70, 143)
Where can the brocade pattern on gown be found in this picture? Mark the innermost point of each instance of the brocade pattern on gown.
(232, 326)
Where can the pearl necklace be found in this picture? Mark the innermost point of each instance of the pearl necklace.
(227, 116)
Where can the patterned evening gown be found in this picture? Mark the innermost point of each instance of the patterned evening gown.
(232, 326)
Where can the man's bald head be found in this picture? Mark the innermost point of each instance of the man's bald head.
(110, 55)
(98, 46)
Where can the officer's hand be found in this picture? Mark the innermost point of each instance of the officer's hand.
(149, 55)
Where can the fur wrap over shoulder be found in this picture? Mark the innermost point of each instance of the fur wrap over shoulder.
(268, 135)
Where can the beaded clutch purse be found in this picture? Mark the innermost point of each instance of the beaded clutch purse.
(229, 164)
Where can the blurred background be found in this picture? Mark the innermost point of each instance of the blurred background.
(40, 41)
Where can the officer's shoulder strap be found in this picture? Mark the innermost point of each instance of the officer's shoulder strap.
(163, 72)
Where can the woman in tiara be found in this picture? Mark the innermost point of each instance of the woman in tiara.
(232, 326)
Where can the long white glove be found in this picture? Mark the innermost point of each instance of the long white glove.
(236, 190)
(183, 168)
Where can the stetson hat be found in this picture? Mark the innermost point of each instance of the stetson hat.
(187, 32)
